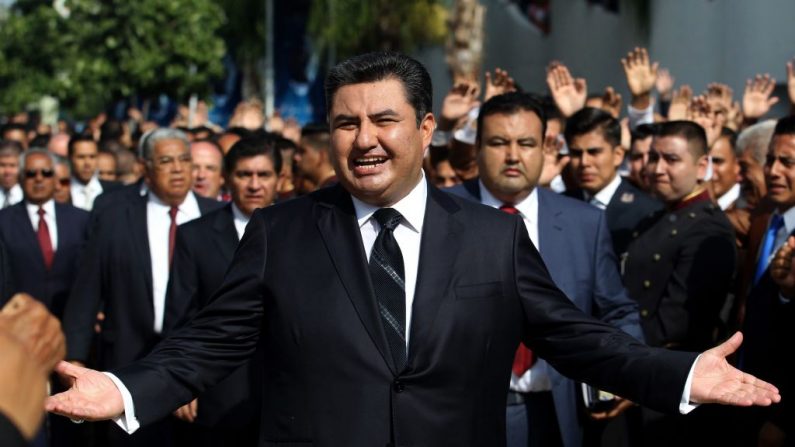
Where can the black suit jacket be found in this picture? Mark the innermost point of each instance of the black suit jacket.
(680, 270)
(27, 270)
(116, 277)
(299, 284)
(627, 208)
(9, 434)
(203, 251)
(5, 275)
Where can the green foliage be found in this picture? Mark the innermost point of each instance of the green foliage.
(108, 49)
(356, 26)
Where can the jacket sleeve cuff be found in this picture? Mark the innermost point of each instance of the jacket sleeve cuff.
(127, 421)
(684, 403)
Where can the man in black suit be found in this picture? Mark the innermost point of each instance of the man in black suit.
(227, 412)
(43, 238)
(125, 268)
(86, 185)
(594, 140)
(414, 346)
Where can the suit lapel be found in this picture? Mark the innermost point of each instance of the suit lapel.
(227, 241)
(27, 234)
(441, 238)
(336, 220)
(136, 215)
(550, 229)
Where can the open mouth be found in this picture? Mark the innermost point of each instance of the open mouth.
(369, 161)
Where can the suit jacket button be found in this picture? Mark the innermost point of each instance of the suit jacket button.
(692, 215)
(634, 234)
(674, 232)
(398, 386)
(656, 257)
(644, 313)
(646, 284)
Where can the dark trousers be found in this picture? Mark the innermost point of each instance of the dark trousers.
(531, 421)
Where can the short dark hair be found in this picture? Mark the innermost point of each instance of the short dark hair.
(10, 147)
(641, 132)
(509, 104)
(693, 133)
(79, 138)
(731, 135)
(317, 135)
(380, 66)
(13, 126)
(283, 144)
(111, 129)
(591, 119)
(252, 147)
(785, 126)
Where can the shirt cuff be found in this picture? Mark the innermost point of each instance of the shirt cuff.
(684, 403)
(640, 116)
(127, 420)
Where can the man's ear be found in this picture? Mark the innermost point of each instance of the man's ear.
(618, 155)
(704, 167)
(427, 126)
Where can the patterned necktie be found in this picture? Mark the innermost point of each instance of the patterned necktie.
(776, 222)
(172, 233)
(524, 358)
(387, 275)
(45, 243)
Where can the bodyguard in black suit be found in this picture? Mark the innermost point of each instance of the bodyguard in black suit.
(228, 412)
(119, 274)
(594, 140)
(48, 280)
(86, 186)
(335, 372)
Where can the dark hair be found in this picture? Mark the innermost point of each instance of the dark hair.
(592, 119)
(79, 139)
(731, 135)
(40, 140)
(202, 129)
(509, 104)
(785, 126)
(112, 146)
(380, 66)
(252, 147)
(693, 133)
(641, 132)
(10, 147)
(111, 129)
(317, 135)
(283, 144)
(13, 126)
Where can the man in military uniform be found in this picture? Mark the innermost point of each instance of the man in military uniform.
(680, 265)
(594, 140)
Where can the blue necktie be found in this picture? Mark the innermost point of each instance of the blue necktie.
(767, 246)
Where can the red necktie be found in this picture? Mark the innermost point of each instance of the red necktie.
(524, 358)
(172, 233)
(45, 243)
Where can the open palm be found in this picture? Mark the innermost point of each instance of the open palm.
(93, 396)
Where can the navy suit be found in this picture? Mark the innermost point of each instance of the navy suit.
(28, 273)
(574, 243)
(627, 208)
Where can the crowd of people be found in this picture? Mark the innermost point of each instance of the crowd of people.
(671, 219)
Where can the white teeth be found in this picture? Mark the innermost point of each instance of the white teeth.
(369, 161)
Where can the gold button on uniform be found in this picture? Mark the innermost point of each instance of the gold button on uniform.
(674, 232)
(644, 313)
(646, 284)
(657, 257)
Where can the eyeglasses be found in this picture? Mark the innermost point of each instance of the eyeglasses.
(65, 181)
(32, 173)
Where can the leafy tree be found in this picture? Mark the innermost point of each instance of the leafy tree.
(97, 51)
(355, 26)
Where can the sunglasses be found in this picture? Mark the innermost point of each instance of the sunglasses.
(32, 173)
(65, 181)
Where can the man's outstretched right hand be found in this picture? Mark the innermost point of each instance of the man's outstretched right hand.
(92, 397)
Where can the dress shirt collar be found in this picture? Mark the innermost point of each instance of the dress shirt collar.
(527, 207)
(189, 206)
(240, 219)
(412, 207)
(729, 197)
(48, 206)
(606, 194)
(92, 185)
(789, 219)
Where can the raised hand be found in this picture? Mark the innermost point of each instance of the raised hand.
(568, 93)
(781, 268)
(711, 120)
(92, 396)
(756, 99)
(719, 96)
(664, 84)
(716, 381)
(462, 98)
(498, 84)
(680, 103)
(791, 83)
(553, 161)
(641, 76)
(611, 102)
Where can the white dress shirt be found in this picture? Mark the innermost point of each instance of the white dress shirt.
(158, 223)
(640, 116)
(240, 220)
(602, 198)
(407, 234)
(49, 217)
(83, 195)
(729, 197)
(10, 197)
